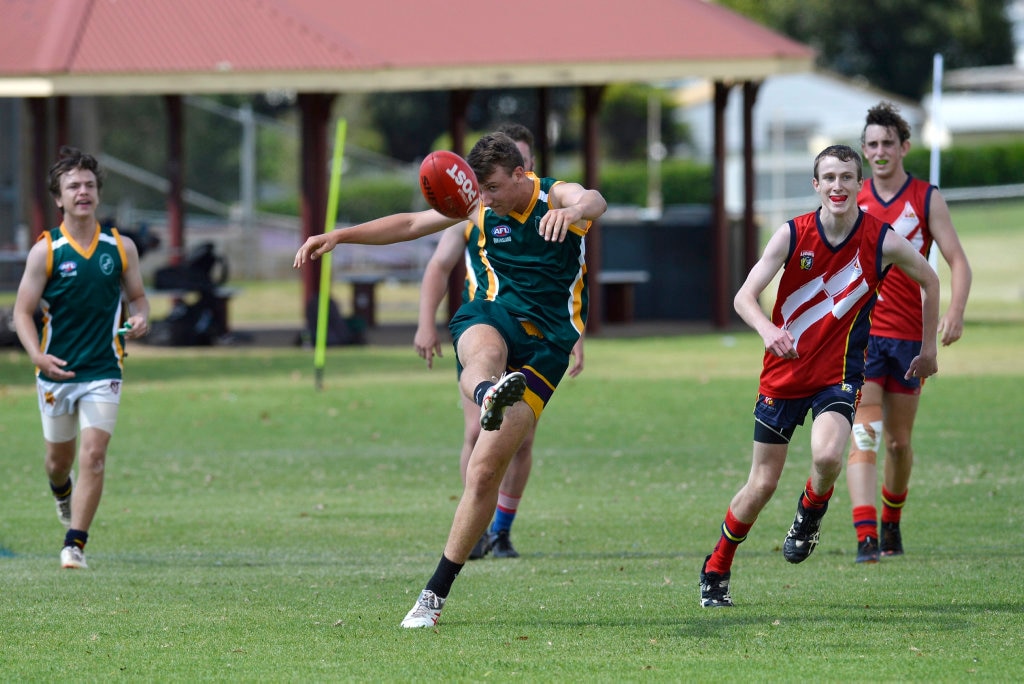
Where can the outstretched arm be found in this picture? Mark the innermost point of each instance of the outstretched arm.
(383, 231)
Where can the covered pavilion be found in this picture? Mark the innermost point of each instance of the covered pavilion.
(52, 50)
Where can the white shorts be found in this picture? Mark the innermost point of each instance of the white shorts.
(67, 407)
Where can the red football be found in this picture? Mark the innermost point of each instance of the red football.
(448, 184)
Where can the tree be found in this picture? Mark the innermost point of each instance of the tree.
(212, 147)
(410, 122)
(624, 114)
(891, 43)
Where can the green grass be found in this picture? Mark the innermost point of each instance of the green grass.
(992, 234)
(253, 529)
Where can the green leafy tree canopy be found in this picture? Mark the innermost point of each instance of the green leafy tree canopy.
(891, 43)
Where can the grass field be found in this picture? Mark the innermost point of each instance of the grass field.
(254, 529)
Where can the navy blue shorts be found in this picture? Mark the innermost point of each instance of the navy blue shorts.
(775, 420)
(887, 362)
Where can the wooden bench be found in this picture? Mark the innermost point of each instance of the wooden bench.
(619, 290)
(364, 290)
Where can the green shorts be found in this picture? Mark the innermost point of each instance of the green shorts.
(541, 362)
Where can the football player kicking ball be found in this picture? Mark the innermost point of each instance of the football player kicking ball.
(450, 250)
(514, 338)
(833, 261)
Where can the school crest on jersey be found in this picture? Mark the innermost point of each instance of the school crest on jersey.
(106, 264)
(806, 260)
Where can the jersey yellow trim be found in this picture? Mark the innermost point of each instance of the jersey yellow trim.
(577, 301)
(533, 199)
(49, 253)
(575, 228)
(120, 250)
(88, 251)
(581, 230)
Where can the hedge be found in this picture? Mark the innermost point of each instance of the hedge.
(976, 166)
(363, 199)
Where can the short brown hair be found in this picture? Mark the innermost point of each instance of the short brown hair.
(518, 132)
(68, 159)
(842, 153)
(492, 151)
(887, 115)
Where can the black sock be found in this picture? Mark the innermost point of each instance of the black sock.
(76, 538)
(441, 582)
(480, 391)
(61, 491)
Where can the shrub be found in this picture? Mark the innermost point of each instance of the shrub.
(974, 166)
(363, 199)
(682, 182)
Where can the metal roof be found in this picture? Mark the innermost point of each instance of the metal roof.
(107, 47)
(1007, 78)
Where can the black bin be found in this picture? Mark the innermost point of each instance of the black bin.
(676, 249)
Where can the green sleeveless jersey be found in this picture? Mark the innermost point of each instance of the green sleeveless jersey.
(82, 304)
(545, 283)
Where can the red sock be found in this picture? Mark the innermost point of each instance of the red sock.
(865, 521)
(733, 533)
(892, 505)
(813, 500)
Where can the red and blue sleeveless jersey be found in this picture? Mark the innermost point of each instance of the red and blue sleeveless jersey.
(898, 310)
(824, 300)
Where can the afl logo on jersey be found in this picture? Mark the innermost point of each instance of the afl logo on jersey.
(68, 269)
(107, 264)
(502, 233)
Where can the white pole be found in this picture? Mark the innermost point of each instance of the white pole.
(779, 168)
(247, 165)
(936, 115)
(655, 155)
